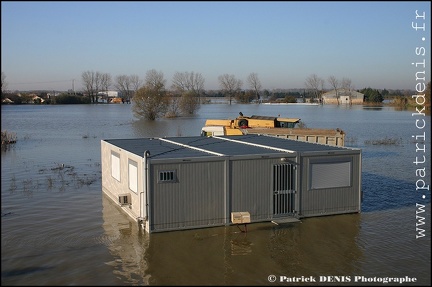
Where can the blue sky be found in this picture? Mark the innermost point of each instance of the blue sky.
(48, 45)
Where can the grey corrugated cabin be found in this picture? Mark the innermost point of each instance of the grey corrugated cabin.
(181, 183)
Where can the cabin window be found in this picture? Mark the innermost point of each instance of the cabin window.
(289, 125)
(330, 174)
(133, 175)
(167, 176)
(115, 165)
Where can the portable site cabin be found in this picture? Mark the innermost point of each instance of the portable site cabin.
(193, 182)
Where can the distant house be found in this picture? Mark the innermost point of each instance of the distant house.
(7, 101)
(343, 97)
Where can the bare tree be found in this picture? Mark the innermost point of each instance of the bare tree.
(314, 84)
(255, 84)
(190, 86)
(346, 84)
(155, 80)
(230, 85)
(88, 83)
(188, 82)
(334, 83)
(135, 82)
(151, 101)
(245, 96)
(106, 82)
(128, 85)
(347, 87)
(180, 82)
(123, 85)
(92, 84)
(188, 102)
(196, 81)
(174, 108)
(98, 84)
(4, 84)
(322, 85)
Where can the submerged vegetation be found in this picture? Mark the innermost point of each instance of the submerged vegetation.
(59, 177)
(384, 141)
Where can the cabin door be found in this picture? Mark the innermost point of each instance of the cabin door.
(283, 189)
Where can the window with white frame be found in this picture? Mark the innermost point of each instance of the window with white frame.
(115, 165)
(133, 175)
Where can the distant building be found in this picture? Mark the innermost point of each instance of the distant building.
(52, 95)
(343, 97)
(109, 97)
(109, 94)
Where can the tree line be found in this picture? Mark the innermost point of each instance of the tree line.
(152, 98)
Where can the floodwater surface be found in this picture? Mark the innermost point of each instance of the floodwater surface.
(59, 229)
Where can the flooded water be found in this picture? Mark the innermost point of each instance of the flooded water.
(59, 229)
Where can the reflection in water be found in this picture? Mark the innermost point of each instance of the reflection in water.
(318, 246)
(240, 245)
(227, 256)
(126, 244)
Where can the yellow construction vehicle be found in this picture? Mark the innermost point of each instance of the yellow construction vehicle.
(255, 122)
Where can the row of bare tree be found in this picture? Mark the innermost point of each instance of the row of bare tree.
(95, 82)
(127, 85)
(151, 97)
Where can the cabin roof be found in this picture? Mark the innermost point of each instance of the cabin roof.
(199, 146)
